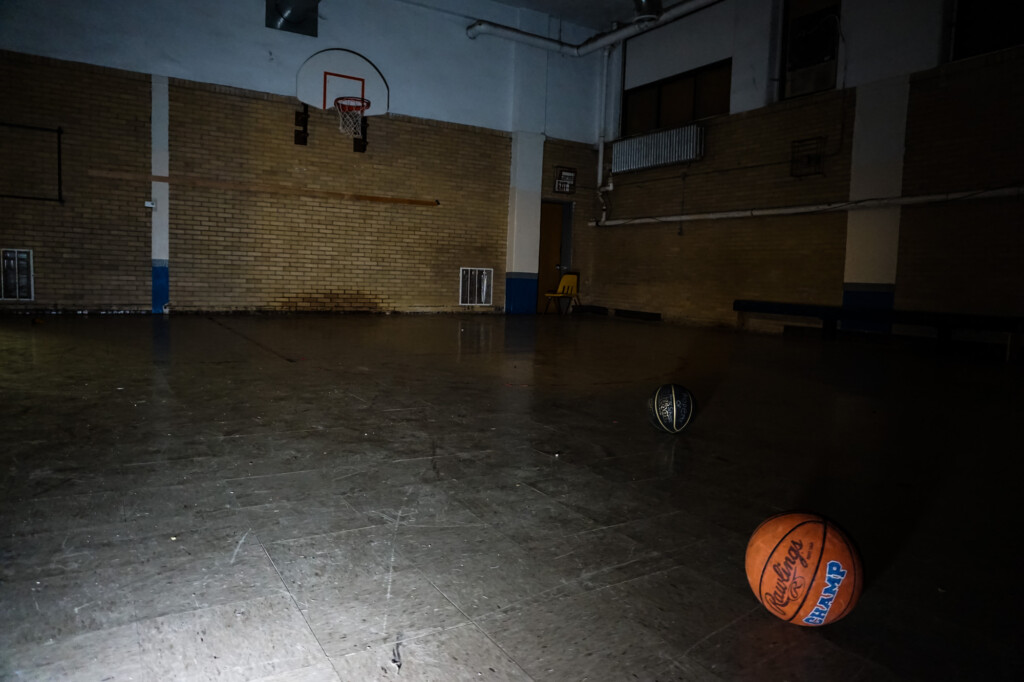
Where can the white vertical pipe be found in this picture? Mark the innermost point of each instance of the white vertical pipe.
(603, 104)
(876, 170)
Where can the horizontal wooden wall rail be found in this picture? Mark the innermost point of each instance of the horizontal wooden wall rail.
(271, 188)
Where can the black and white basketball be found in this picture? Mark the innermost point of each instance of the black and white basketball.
(670, 408)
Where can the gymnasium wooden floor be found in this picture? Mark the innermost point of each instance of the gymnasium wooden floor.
(451, 498)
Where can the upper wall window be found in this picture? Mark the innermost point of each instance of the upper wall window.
(678, 100)
(985, 26)
(810, 46)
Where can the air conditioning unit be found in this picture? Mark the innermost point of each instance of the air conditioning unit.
(658, 149)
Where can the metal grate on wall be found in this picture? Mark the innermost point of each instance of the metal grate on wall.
(658, 149)
(475, 286)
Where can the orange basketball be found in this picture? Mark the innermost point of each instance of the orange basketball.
(803, 569)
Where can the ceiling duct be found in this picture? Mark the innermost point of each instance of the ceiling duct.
(296, 16)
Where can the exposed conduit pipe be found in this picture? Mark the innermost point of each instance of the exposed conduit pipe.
(603, 101)
(591, 44)
(820, 208)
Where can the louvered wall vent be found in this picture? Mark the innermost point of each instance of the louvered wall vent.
(658, 149)
(475, 286)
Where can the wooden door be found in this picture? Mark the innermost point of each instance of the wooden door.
(549, 263)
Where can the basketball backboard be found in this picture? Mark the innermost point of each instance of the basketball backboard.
(337, 72)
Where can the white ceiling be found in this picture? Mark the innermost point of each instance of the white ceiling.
(599, 15)
(596, 14)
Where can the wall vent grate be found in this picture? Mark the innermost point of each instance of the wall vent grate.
(475, 286)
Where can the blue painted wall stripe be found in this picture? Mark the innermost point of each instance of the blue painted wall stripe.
(521, 293)
(161, 285)
(875, 296)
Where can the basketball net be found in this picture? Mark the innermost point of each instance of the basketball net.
(350, 115)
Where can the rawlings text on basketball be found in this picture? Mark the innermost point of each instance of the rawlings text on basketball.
(788, 583)
(832, 582)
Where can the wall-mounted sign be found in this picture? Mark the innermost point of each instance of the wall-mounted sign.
(565, 180)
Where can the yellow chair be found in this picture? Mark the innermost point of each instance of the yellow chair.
(568, 288)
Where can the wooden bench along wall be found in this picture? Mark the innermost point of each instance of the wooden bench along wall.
(943, 323)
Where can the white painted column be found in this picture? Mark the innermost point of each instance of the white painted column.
(523, 247)
(528, 116)
(160, 194)
(876, 171)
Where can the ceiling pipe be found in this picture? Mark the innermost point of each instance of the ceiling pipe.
(603, 118)
(601, 40)
(531, 39)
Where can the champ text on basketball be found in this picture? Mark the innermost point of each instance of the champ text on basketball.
(832, 582)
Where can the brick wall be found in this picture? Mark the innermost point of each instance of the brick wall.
(693, 271)
(964, 134)
(964, 126)
(746, 163)
(962, 257)
(92, 251)
(259, 223)
(256, 222)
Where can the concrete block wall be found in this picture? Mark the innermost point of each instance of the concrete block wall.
(257, 223)
(92, 251)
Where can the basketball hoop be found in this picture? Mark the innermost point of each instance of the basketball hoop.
(350, 115)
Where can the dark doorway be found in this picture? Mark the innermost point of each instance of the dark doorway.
(555, 249)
